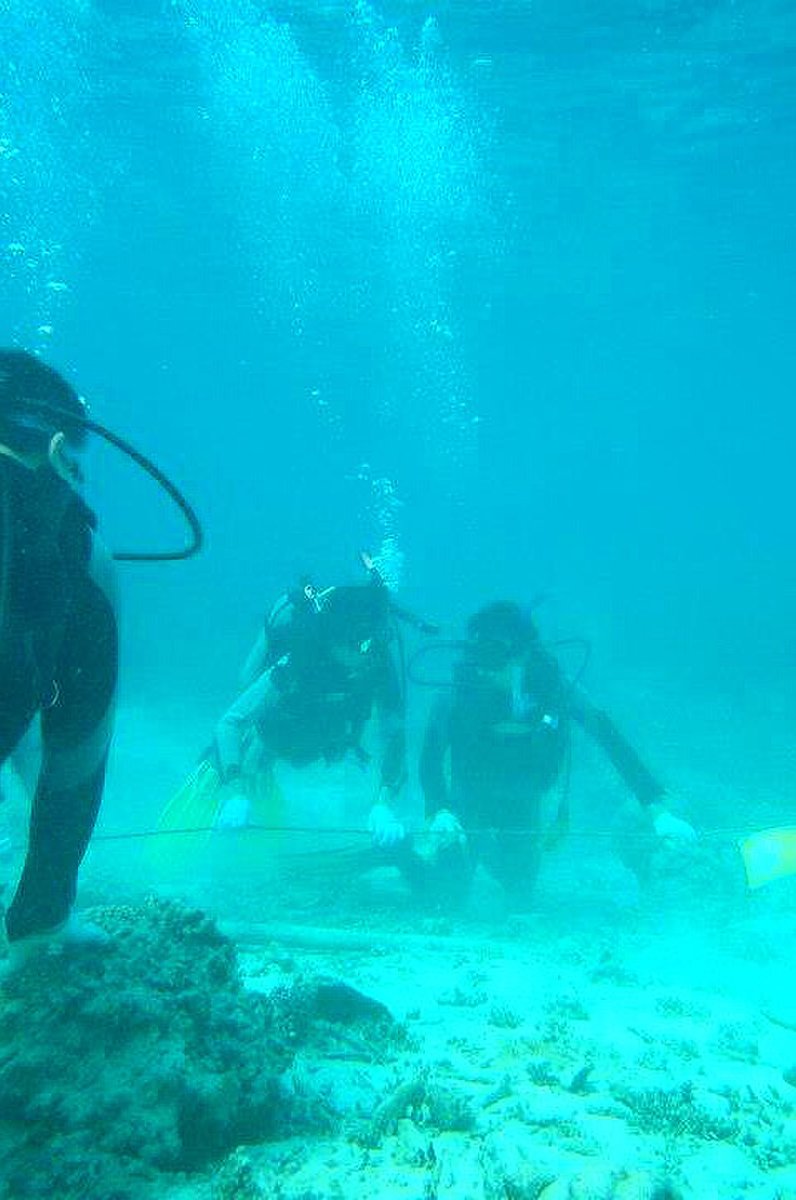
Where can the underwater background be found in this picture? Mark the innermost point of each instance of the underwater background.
(503, 288)
(500, 292)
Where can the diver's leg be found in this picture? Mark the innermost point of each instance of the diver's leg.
(76, 734)
(440, 880)
(17, 696)
(442, 876)
(514, 853)
(17, 709)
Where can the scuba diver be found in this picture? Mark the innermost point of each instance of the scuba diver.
(58, 637)
(320, 669)
(496, 744)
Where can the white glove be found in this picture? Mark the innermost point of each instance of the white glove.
(384, 827)
(666, 825)
(447, 830)
(234, 812)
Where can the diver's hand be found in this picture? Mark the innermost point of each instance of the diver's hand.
(671, 828)
(384, 827)
(234, 812)
(446, 830)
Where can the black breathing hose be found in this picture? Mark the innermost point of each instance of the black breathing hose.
(171, 490)
(71, 419)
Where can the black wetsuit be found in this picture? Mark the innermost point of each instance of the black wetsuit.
(58, 659)
(506, 749)
(306, 707)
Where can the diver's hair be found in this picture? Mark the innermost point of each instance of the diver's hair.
(503, 621)
(25, 378)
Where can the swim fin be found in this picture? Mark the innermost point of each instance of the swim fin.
(769, 854)
(195, 806)
(183, 829)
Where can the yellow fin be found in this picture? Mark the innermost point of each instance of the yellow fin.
(769, 854)
(195, 805)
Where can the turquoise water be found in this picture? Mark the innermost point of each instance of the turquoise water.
(502, 293)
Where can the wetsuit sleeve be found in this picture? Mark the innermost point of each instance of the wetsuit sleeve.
(625, 760)
(391, 717)
(231, 731)
(436, 743)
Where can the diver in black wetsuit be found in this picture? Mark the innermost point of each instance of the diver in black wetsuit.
(319, 672)
(495, 746)
(58, 637)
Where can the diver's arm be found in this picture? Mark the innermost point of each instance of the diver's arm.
(436, 742)
(625, 760)
(231, 729)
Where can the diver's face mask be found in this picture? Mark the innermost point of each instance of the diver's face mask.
(34, 435)
(494, 656)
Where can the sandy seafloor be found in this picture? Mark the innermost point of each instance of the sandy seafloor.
(616, 1041)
